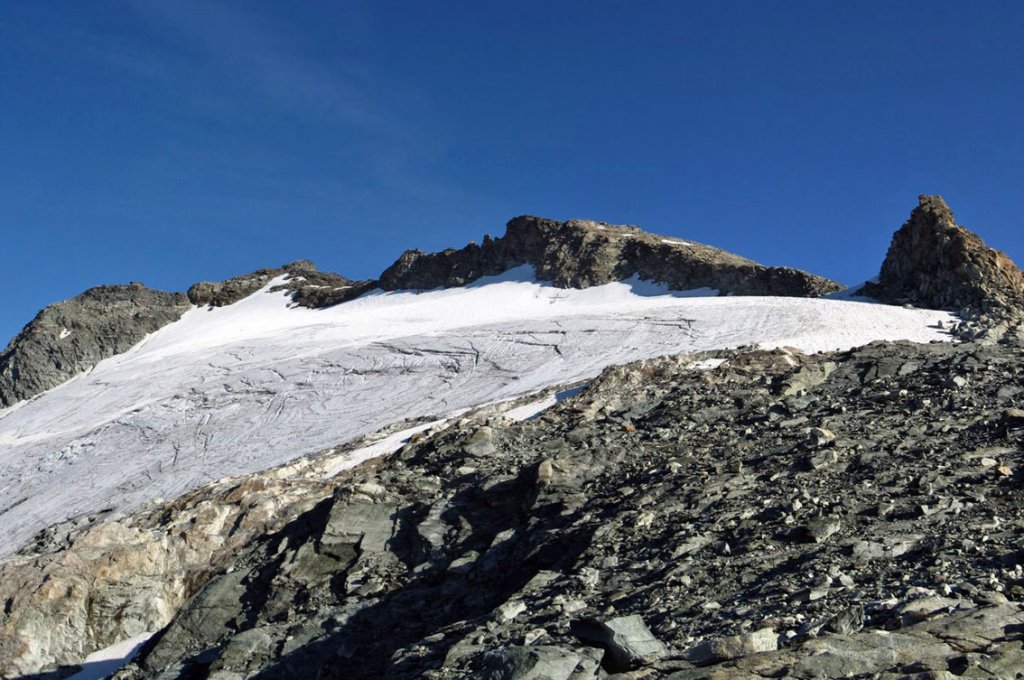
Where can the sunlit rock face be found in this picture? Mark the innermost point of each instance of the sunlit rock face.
(934, 262)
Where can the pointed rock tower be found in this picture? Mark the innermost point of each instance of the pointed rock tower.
(934, 262)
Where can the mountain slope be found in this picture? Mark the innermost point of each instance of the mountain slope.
(841, 515)
(235, 389)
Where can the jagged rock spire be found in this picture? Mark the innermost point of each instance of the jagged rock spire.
(934, 262)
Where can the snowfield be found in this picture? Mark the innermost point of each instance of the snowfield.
(234, 390)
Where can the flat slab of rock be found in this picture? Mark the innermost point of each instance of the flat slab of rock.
(627, 641)
(530, 663)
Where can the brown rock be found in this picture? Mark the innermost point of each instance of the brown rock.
(934, 262)
(583, 253)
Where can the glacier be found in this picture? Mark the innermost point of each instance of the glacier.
(233, 390)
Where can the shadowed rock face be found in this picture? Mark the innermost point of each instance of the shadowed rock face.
(582, 253)
(934, 262)
(70, 337)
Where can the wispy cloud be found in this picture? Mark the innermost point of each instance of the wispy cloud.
(380, 114)
(242, 47)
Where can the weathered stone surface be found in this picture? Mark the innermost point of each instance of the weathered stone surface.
(582, 253)
(733, 647)
(530, 663)
(308, 286)
(934, 262)
(627, 641)
(70, 337)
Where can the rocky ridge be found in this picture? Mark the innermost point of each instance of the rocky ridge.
(583, 253)
(70, 337)
(308, 286)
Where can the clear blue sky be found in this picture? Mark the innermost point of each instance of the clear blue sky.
(174, 141)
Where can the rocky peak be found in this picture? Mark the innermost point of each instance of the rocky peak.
(934, 262)
(67, 338)
(584, 253)
(308, 286)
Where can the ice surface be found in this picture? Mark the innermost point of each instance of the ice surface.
(105, 662)
(232, 390)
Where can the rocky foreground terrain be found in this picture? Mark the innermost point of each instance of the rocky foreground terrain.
(742, 513)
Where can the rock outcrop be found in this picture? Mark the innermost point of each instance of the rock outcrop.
(934, 262)
(581, 253)
(90, 582)
(309, 286)
(817, 516)
(70, 337)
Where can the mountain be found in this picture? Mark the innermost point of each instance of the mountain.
(71, 337)
(107, 321)
(573, 451)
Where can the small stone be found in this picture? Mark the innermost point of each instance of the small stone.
(371, 489)
(534, 635)
(511, 610)
(820, 529)
(819, 436)
(956, 382)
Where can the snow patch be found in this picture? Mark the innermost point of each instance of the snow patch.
(106, 662)
(64, 332)
(707, 364)
(535, 408)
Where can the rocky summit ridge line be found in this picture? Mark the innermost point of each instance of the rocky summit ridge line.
(70, 337)
(936, 263)
(583, 253)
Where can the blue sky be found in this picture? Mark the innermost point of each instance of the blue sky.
(170, 142)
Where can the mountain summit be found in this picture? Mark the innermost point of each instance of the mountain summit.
(934, 262)
(584, 253)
